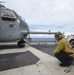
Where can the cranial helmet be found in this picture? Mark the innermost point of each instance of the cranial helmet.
(58, 35)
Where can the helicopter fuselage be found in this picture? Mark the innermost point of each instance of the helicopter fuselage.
(11, 26)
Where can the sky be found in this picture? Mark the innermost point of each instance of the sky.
(45, 15)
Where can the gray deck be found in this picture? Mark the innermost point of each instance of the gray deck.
(31, 61)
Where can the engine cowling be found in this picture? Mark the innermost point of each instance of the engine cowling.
(70, 38)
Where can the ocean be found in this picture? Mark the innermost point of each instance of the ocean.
(43, 39)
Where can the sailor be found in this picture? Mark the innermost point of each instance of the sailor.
(63, 52)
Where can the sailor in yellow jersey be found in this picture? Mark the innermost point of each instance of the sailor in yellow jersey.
(63, 52)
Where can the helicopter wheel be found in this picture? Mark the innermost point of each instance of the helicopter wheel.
(21, 43)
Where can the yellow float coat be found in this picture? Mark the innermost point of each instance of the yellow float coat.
(64, 45)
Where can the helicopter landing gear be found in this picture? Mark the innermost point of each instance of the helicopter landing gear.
(21, 43)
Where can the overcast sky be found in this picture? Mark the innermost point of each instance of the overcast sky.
(45, 15)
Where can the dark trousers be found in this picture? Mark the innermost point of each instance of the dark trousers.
(64, 58)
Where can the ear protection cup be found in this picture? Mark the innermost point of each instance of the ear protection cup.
(60, 35)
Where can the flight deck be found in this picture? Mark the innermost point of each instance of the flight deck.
(30, 60)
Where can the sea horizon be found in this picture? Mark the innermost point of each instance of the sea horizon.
(42, 39)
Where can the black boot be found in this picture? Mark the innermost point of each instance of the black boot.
(63, 65)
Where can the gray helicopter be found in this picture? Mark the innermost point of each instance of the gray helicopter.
(13, 27)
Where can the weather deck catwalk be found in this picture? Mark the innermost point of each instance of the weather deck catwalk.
(30, 61)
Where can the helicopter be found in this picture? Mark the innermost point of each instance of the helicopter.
(13, 27)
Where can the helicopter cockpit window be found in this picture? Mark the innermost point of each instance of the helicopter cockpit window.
(8, 15)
